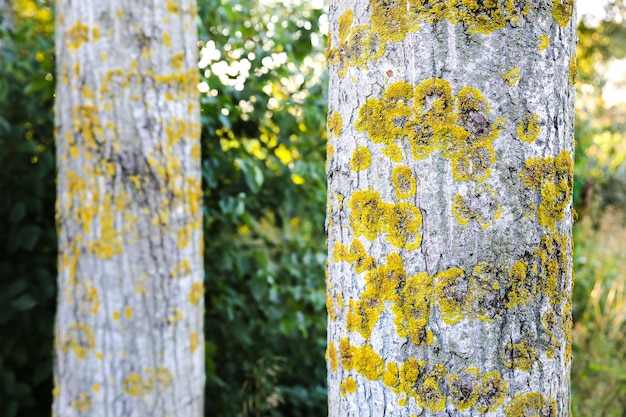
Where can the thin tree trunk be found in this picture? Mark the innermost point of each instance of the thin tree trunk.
(129, 336)
(450, 165)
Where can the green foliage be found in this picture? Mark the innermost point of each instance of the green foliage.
(263, 144)
(598, 377)
(27, 232)
(599, 365)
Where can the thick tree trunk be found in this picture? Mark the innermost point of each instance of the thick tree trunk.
(129, 337)
(450, 164)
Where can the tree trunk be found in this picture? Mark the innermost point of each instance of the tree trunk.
(450, 166)
(129, 336)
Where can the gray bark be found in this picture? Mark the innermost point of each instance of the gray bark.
(129, 336)
(450, 164)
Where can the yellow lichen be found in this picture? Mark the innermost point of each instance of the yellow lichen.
(361, 159)
(359, 258)
(572, 70)
(194, 341)
(77, 35)
(335, 123)
(528, 128)
(196, 292)
(480, 205)
(82, 403)
(544, 42)
(404, 221)
(80, 339)
(463, 388)
(391, 377)
(131, 385)
(412, 308)
(519, 355)
(512, 77)
(532, 403)
(491, 393)
(367, 213)
(381, 283)
(368, 363)
(393, 152)
(344, 23)
(346, 353)
(347, 387)
(454, 295)
(554, 178)
(331, 356)
(562, 11)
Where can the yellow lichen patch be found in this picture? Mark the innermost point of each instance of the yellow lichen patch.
(80, 339)
(389, 20)
(430, 118)
(393, 152)
(359, 258)
(485, 17)
(167, 40)
(335, 123)
(562, 11)
(519, 355)
(196, 293)
(131, 385)
(554, 178)
(346, 353)
(543, 42)
(410, 372)
(528, 128)
(548, 321)
(361, 159)
(344, 23)
(82, 403)
(412, 308)
(404, 183)
(522, 290)
(489, 283)
(128, 313)
(88, 300)
(554, 266)
(512, 77)
(77, 35)
(391, 377)
(433, 116)
(404, 221)
(183, 236)
(491, 393)
(177, 61)
(430, 396)
(367, 212)
(463, 388)
(373, 119)
(194, 341)
(454, 295)
(368, 363)
(381, 283)
(348, 386)
(531, 404)
(331, 356)
(172, 7)
(480, 205)
(572, 70)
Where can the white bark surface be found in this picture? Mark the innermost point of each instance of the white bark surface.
(129, 331)
(450, 164)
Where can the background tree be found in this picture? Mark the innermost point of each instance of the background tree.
(449, 212)
(129, 335)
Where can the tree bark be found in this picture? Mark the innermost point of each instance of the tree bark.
(450, 173)
(129, 335)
